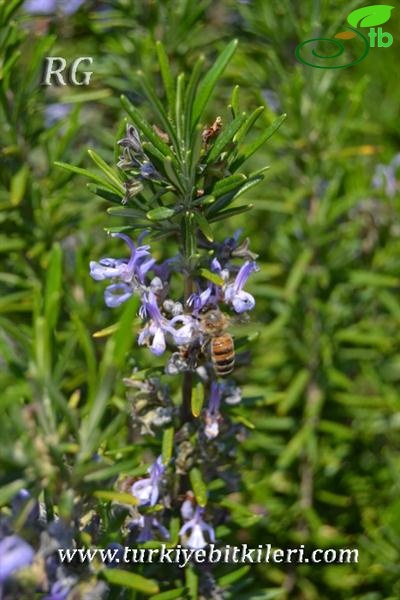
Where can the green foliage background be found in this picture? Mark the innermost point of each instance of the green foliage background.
(321, 465)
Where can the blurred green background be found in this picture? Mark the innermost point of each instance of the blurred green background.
(321, 465)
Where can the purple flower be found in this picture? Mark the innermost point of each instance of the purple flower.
(231, 393)
(121, 268)
(216, 267)
(198, 301)
(46, 7)
(270, 97)
(164, 269)
(154, 333)
(147, 490)
(187, 510)
(70, 6)
(212, 416)
(15, 554)
(385, 176)
(228, 245)
(59, 590)
(131, 273)
(116, 294)
(147, 171)
(234, 293)
(56, 112)
(146, 525)
(172, 307)
(196, 527)
(212, 294)
(187, 332)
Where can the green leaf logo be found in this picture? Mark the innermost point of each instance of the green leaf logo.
(370, 16)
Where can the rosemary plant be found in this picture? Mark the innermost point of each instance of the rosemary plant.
(179, 176)
(290, 446)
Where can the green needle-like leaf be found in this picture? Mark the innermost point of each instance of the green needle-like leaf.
(199, 487)
(158, 109)
(132, 581)
(166, 76)
(224, 138)
(209, 82)
(53, 287)
(167, 445)
(197, 399)
(160, 213)
(103, 182)
(250, 150)
(190, 96)
(210, 276)
(120, 497)
(108, 171)
(176, 594)
(204, 227)
(248, 124)
(235, 101)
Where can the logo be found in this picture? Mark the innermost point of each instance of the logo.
(368, 16)
(55, 66)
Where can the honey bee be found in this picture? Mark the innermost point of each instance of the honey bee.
(222, 348)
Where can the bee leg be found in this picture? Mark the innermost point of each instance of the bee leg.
(205, 350)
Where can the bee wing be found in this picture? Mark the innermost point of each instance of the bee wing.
(245, 328)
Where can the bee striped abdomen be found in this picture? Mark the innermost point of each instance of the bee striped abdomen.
(223, 354)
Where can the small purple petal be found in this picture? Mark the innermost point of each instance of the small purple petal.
(243, 301)
(56, 112)
(40, 7)
(59, 591)
(163, 530)
(44, 7)
(158, 344)
(196, 540)
(244, 273)
(142, 490)
(157, 468)
(148, 171)
(70, 6)
(216, 265)
(144, 267)
(116, 294)
(185, 334)
(106, 268)
(211, 430)
(144, 336)
(206, 527)
(15, 554)
(147, 490)
(197, 525)
(215, 398)
(186, 527)
(187, 510)
(154, 495)
(145, 534)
